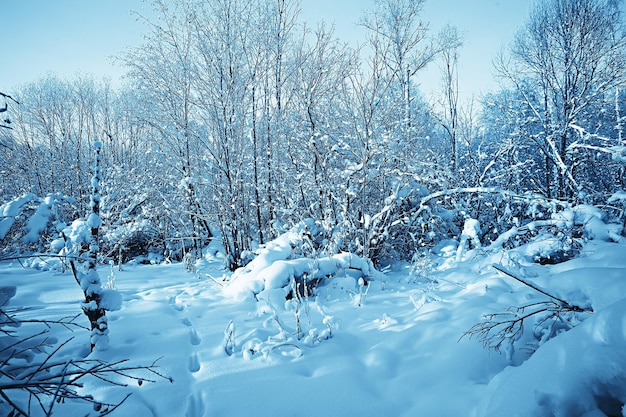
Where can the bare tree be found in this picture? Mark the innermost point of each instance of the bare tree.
(163, 70)
(397, 33)
(323, 64)
(571, 52)
(223, 81)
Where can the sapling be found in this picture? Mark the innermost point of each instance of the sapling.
(95, 305)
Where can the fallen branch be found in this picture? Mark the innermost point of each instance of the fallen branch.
(564, 303)
(498, 329)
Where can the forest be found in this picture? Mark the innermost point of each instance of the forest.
(237, 123)
(240, 130)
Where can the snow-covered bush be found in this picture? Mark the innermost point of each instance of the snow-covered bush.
(137, 221)
(547, 242)
(551, 231)
(145, 216)
(289, 257)
(443, 215)
(284, 279)
(29, 223)
(561, 236)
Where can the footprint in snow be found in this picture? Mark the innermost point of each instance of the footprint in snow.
(196, 406)
(194, 363)
(194, 337)
(175, 305)
(173, 301)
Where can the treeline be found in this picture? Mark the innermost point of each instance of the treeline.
(237, 122)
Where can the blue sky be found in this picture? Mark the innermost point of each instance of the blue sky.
(69, 37)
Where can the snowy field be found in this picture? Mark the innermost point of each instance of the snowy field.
(367, 343)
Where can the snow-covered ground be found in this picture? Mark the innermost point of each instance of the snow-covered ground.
(367, 344)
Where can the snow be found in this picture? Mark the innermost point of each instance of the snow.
(110, 299)
(618, 196)
(78, 233)
(391, 345)
(10, 210)
(94, 221)
(38, 222)
(587, 375)
(5, 225)
(274, 266)
(471, 233)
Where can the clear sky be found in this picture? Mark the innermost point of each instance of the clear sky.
(69, 37)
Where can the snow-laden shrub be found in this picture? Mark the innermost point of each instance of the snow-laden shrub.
(29, 223)
(284, 278)
(551, 231)
(135, 239)
(443, 215)
(136, 224)
(558, 302)
(560, 237)
(290, 257)
(144, 221)
(555, 240)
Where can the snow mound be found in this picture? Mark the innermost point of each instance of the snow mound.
(279, 262)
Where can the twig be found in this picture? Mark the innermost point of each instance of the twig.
(564, 303)
(221, 284)
(496, 328)
(41, 255)
(9, 97)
